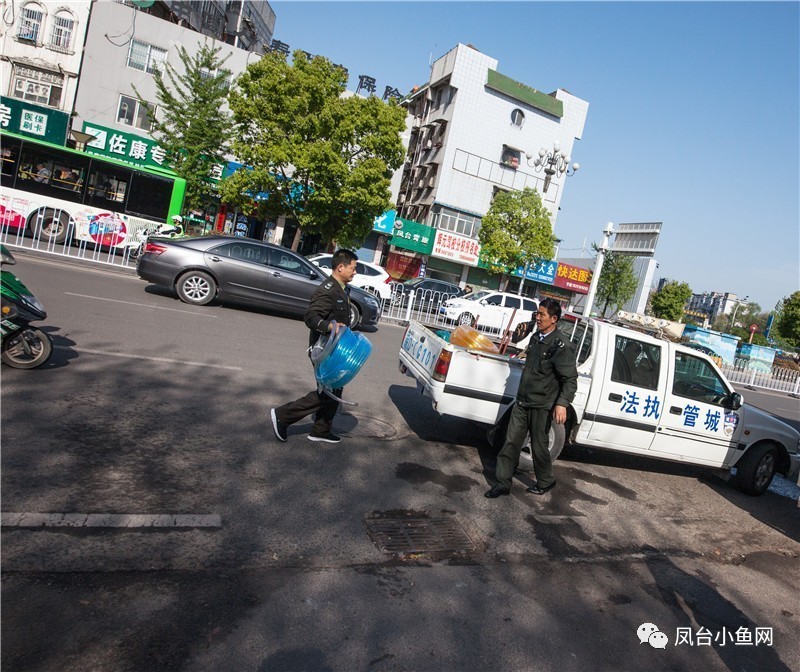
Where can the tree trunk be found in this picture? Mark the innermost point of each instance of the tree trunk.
(296, 239)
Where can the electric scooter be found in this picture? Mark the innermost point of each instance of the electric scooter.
(23, 346)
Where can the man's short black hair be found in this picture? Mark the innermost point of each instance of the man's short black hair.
(552, 307)
(345, 257)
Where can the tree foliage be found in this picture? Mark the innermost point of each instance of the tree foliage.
(516, 231)
(194, 125)
(618, 282)
(668, 304)
(317, 157)
(787, 319)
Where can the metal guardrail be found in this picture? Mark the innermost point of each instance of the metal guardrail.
(36, 238)
(779, 379)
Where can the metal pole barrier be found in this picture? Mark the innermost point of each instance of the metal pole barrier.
(410, 303)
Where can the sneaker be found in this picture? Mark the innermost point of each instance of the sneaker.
(327, 438)
(278, 427)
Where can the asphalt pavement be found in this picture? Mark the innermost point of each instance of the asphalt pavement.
(175, 533)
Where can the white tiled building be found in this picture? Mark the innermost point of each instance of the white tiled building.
(472, 132)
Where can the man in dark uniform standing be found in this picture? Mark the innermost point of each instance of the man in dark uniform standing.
(330, 303)
(546, 389)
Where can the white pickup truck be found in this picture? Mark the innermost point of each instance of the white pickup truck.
(636, 394)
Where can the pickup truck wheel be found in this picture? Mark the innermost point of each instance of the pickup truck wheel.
(755, 470)
(466, 319)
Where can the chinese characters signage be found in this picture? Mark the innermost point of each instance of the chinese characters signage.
(541, 270)
(574, 278)
(449, 245)
(385, 222)
(36, 121)
(135, 149)
(412, 236)
(130, 148)
(366, 83)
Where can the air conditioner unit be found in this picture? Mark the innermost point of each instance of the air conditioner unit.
(431, 181)
(428, 144)
(421, 184)
(401, 198)
(417, 122)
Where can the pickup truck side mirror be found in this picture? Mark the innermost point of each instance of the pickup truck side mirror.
(735, 401)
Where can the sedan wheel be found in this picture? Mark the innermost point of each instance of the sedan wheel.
(196, 287)
(355, 316)
(466, 319)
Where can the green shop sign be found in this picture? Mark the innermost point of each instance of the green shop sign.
(42, 123)
(412, 236)
(135, 149)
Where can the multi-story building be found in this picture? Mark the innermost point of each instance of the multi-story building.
(41, 44)
(473, 132)
(714, 304)
(125, 47)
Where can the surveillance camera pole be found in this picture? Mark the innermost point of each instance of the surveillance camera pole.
(598, 267)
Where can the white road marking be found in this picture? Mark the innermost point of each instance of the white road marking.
(143, 305)
(118, 520)
(150, 359)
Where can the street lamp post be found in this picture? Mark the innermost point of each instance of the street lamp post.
(553, 163)
(598, 267)
(735, 308)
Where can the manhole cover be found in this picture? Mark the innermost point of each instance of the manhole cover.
(418, 535)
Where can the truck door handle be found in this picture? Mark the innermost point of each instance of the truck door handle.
(675, 410)
(614, 397)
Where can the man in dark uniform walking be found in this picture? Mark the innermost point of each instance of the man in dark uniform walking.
(546, 389)
(330, 303)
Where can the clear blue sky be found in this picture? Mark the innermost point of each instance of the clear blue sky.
(694, 111)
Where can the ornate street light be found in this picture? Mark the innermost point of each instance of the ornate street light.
(553, 163)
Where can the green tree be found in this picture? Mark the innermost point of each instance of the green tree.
(787, 319)
(313, 155)
(516, 231)
(194, 125)
(618, 282)
(668, 304)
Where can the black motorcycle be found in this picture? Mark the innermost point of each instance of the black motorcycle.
(23, 346)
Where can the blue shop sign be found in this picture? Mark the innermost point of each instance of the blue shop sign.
(542, 270)
(385, 222)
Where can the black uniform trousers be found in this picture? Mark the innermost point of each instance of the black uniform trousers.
(523, 420)
(314, 402)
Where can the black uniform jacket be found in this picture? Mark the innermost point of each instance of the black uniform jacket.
(550, 376)
(330, 302)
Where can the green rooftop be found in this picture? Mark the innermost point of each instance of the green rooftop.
(525, 94)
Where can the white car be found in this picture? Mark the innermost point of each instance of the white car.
(369, 276)
(490, 309)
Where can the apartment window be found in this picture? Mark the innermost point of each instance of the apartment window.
(62, 31)
(146, 57)
(37, 86)
(132, 113)
(30, 23)
(517, 117)
(225, 82)
(458, 222)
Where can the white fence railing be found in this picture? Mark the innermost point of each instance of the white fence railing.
(778, 379)
(36, 238)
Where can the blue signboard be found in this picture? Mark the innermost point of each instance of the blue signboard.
(385, 222)
(542, 270)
